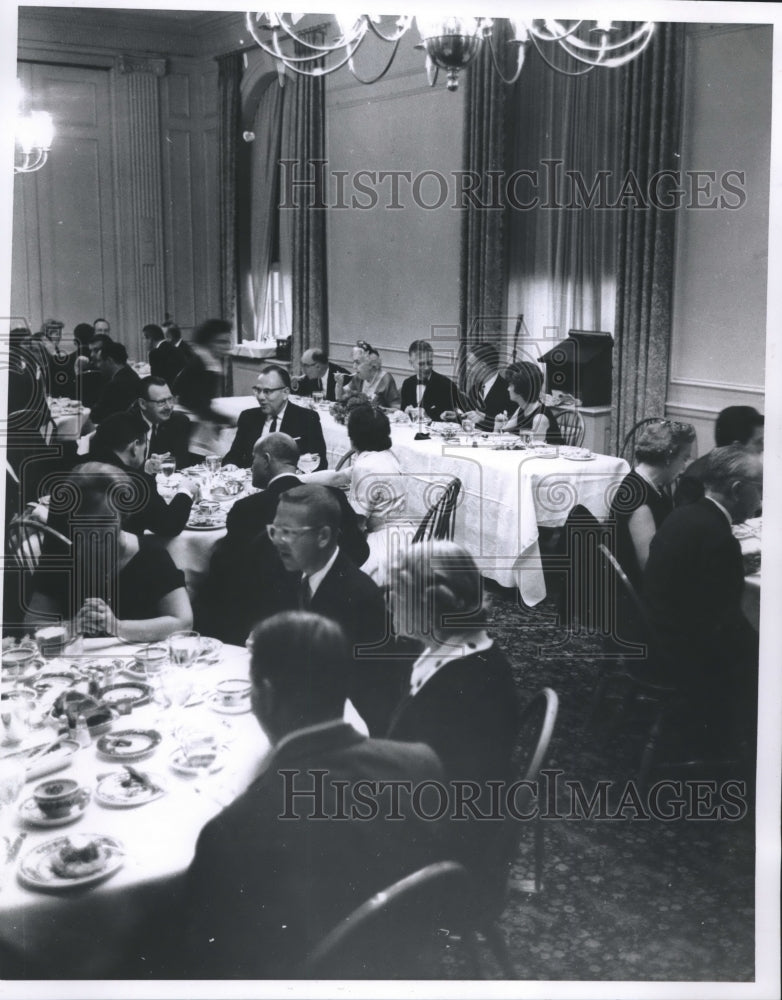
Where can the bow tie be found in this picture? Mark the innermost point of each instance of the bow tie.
(423, 381)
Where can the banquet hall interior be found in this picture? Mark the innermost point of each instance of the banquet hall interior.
(611, 228)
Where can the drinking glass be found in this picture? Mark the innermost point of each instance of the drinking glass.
(176, 686)
(468, 426)
(212, 463)
(308, 462)
(317, 398)
(199, 748)
(184, 648)
(167, 466)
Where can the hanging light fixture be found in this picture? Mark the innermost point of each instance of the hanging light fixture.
(33, 134)
(451, 43)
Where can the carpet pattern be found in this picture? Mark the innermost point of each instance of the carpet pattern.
(628, 898)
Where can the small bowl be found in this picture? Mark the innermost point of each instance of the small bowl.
(232, 692)
(152, 656)
(17, 659)
(208, 507)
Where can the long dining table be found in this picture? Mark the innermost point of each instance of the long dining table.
(506, 496)
(80, 932)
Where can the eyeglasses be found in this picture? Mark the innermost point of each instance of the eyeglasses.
(277, 534)
(162, 402)
(268, 392)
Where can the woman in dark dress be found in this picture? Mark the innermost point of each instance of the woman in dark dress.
(107, 581)
(461, 698)
(525, 386)
(643, 500)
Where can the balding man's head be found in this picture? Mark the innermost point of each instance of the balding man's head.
(734, 477)
(272, 456)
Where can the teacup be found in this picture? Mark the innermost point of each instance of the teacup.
(151, 658)
(16, 659)
(208, 507)
(57, 798)
(233, 692)
(52, 640)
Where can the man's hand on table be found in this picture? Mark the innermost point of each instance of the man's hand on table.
(96, 618)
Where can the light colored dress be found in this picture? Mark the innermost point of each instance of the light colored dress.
(378, 492)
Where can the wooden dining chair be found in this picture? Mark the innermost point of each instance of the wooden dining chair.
(439, 521)
(346, 459)
(536, 729)
(572, 426)
(628, 445)
(25, 536)
(393, 934)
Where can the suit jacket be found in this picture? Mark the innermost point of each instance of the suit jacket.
(117, 394)
(261, 891)
(440, 394)
(301, 424)
(173, 435)
(309, 385)
(153, 513)
(693, 584)
(386, 393)
(496, 401)
(167, 361)
(690, 487)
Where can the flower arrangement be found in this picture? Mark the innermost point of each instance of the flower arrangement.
(350, 400)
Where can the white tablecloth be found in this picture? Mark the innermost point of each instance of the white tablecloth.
(505, 496)
(80, 932)
(69, 418)
(750, 598)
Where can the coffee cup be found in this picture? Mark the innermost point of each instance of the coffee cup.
(57, 798)
(208, 507)
(233, 692)
(52, 640)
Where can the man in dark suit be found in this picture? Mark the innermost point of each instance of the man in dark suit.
(427, 390)
(276, 413)
(167, 430)
(121, 440)
(121, 388)
(319, 374)
(321, 578)
(487, 391)
(268, 881)
(165, 360)
(693, 584)
(245, 562)
(734, 425)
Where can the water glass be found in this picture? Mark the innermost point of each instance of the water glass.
(308, 463)
(212, 463)
(184, 648)
(12, 778)
(167, 466)
(317, 398)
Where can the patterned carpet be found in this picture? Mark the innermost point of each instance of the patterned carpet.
(626, 898)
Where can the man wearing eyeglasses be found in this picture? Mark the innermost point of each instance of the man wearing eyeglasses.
(321, 578)
(168, 431)
(275, 413)
(319, 374)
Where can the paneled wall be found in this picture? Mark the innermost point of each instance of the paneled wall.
(719, 330)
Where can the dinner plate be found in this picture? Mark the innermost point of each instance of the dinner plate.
(579, 458)
(215, 702)
(136, 693)
(210, 524)
(32, 813)
(121, 791)
(178, 762)
(35, 868)
(128, 744)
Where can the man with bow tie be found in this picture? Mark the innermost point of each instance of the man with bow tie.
(427, 390)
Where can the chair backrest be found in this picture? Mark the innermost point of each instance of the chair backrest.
(347, 459)
(439, 521)
(628, 447)
(572, 426)
(536, 729)
(25, 537)
(387, 936)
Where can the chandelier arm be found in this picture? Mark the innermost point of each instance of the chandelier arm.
(298, 64)
(559, 69)
(383, 72)
(390, 38)
(519, 63)
(316, 71)
(646, 29)
(608, 62)
(550, 37)
(316, 51)
(324, 49)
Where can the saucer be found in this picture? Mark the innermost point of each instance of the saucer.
(128, 744)
(36, 872)
(178, 762)
(32, 813)
(120, 791)
(215, 702)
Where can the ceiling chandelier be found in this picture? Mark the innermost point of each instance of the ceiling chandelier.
(33, 135)
(450, 43)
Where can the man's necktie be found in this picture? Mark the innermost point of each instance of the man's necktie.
(305, 594)
(152, 440)
(273, 425)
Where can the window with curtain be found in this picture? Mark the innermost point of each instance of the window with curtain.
(564, 142)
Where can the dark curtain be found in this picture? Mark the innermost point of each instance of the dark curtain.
(651, 131)
(482, 281)
(303, 228)
(229, 129)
